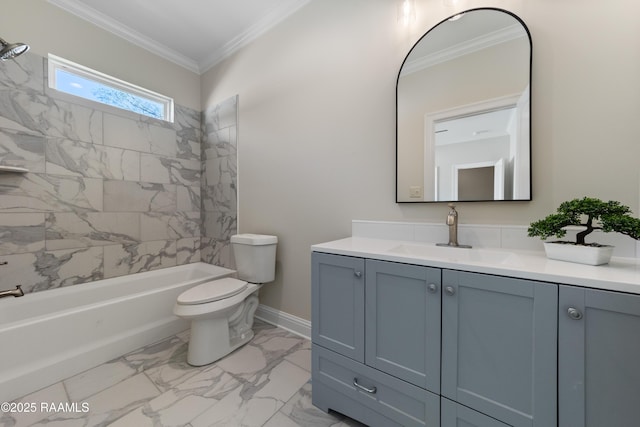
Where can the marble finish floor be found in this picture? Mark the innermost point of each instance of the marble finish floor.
(266, 383)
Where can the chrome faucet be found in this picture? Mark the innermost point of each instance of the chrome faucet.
(17, 292)
(452, 222)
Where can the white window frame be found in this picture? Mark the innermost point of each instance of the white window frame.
(58, 63)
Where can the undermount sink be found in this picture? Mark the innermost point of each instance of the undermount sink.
(450, 253)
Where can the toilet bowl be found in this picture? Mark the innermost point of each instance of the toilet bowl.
(221, 311)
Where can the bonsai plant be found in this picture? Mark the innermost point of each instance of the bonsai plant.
(593, 214)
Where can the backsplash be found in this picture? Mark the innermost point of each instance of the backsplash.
(482, 236)
(106, 195)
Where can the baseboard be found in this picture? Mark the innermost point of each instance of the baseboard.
(284, 320)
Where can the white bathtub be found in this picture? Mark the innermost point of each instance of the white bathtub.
(51, 335)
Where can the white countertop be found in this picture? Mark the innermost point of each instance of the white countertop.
(621, 274)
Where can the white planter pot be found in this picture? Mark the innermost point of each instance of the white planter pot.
(591, 255)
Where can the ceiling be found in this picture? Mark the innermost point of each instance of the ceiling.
(195, 34)
(476, 127)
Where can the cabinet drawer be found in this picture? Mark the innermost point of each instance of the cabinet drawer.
(456, 415)
(395, 399)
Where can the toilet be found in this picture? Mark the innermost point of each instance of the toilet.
(221, 311)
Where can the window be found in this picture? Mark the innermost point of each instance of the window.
(86, 83)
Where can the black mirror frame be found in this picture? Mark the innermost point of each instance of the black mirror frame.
(517, 18)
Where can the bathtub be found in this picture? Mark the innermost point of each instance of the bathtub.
(51, 335)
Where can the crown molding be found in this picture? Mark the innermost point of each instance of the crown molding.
(469, 46)
(269, 21)
(105, 22)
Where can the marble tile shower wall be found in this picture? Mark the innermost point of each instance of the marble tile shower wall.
(106, 195)
(219, 181)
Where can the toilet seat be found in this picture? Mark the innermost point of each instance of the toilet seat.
(212, 291)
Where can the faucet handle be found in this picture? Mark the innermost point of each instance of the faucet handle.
(452, 215)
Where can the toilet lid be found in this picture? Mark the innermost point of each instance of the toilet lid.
(212, 291)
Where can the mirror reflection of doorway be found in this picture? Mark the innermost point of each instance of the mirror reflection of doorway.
(487, 178)
(476, 140)
(476, 183)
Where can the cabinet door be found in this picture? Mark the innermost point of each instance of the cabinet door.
(403, 322)
(337, 304)
(599, 358)
(499, 347)
(453, 414)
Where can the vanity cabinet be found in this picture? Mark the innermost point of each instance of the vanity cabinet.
(598, 358)
(395, 382)
(389, 339)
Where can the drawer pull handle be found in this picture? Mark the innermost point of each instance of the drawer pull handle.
(371, 390)
(358, 273)
(433, 288)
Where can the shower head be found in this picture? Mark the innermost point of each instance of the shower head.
(11, 50)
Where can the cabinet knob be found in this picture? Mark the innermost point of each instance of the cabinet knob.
(433, 288)
(574, 313)
(450, 290)
(358, 273)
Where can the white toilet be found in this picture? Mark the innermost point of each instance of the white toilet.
(221, 311)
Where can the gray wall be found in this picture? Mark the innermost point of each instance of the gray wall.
(50, 29)
(318, 121)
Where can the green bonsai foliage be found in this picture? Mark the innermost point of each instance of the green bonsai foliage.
(605, 216)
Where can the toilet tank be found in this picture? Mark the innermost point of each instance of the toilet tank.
(255, 256)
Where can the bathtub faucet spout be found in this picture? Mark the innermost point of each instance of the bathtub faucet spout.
(17, 292)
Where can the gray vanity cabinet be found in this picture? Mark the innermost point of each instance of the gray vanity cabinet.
(337, 298)
(499, 346)
(598, 358)
(403, 322)
(406, 345)
(379, 372)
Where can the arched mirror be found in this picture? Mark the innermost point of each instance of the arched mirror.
(463, 111)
